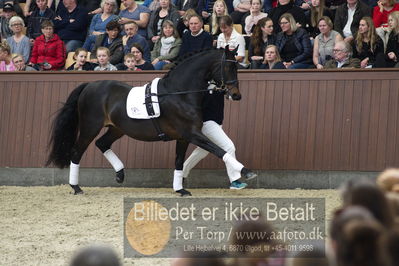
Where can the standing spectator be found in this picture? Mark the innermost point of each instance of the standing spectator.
(392, 51)
(19, 43)
(6, 63)
(37, 17)
(135, 13)
(232, 38)
(262, 37)
(324, 42)
(342, 57)
(48, 49)
(254, 16)
(195, 39)
(219, 9)
(132, 37)
(286, 6)
(19, 63)
(8, 13)
(272, 59)
(368, 46)
(166, 11)
(293, 43)
(317, 11)
(348, 16)
(166, 48)
(112, 40)
(81, 63)
(71, 24)
(103, 60)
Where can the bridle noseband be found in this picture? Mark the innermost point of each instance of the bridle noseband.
(222, 84)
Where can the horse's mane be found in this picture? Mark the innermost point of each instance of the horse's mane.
(189, 55)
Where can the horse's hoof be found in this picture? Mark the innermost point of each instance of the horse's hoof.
(183, 192)
(120, 176)
(77, 190)
(248, 174)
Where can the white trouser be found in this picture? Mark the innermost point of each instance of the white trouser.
(216, 134)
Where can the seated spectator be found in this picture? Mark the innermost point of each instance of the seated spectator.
(262, 37)
(166, 11)
(324, 42)
(80, 57)
(232, 38)
(342, 57)
(132, 37)
(254, 16)
(317, 11)
(71, 24)
(103, 60)
(286, 6)
(272, 59)
(219, 9)
(382, 10)
(8, 13)
(184, 5)
(392, 51)
(205, 8)
(99, 22)
(166, 48)
(19, 43)
(48, 49)
(138, 51)
(348, 16)
(36, 19)
(293, 43)
(195, 39)
(368, 46)
(19, 63)
(16, 7)
(130, 63)
(241, 7)
(182, 26)
(112, 40)
(135, 13)
(6, 63)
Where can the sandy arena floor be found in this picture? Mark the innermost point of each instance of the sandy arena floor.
(46, 225)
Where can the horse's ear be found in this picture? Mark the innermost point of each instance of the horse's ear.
(235, 50)
(226, 49)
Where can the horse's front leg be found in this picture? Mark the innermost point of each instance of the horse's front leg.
(181, 148)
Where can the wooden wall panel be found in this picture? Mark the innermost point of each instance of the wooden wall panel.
(298, 120)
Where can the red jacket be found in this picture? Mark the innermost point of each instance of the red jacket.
(382, 18)
(52, 52)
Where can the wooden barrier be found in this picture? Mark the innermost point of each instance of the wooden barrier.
(292, 120)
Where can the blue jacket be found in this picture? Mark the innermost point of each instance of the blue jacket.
(302, 43)
(75, 30)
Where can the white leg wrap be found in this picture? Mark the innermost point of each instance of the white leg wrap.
(113, 160)
(73, 174)
(177, 180)
(232, 162)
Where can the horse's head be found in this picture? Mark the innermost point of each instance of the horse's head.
(227, 79)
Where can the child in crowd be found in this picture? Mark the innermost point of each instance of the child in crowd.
(130, 63)
(81, 63)
(19, 63)
(5, 58)
(103, 55)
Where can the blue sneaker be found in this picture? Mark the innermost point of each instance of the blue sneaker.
(238, 185)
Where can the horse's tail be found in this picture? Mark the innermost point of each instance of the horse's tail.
(65, 130)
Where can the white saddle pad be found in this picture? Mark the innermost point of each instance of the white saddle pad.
(135, 103)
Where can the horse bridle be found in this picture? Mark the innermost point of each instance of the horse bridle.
(223, 83)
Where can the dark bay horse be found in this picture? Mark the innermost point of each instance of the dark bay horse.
(92, 106)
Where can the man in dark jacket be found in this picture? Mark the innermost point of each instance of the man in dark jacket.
(342, 57)
(348, 16)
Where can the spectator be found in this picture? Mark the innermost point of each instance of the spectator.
(6, 63)
(99, 22)
(37, 17)
(15, 3)
(219, 9)
(19, 43)
(80, 57)
(182, 26)
(132, 37)
(130, 63)
(195, 39)
(254, 16)
(286, 6)
(71, 24)
(166, 48)
(293, 44)
(205, 8)
(368, 46)
(317, 11)
(166, 11)
(184, 5)
(230, 37)
(48, 49)
(348, 16)
(135, 13)
(324, 42)
(241, 7)
(8, 13)
(103, 60)
(392, 51)
(95, 256)
(382, 10)
(262, 37)
(342, 57)
(137, 51)
(19, 63)
(272, 59)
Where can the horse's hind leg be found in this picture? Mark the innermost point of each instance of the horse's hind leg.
(181, 148)
(104, 144)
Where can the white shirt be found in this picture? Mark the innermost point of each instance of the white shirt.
(235, 40)
(347, 29)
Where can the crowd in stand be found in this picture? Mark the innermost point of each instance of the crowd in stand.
(270, 34)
